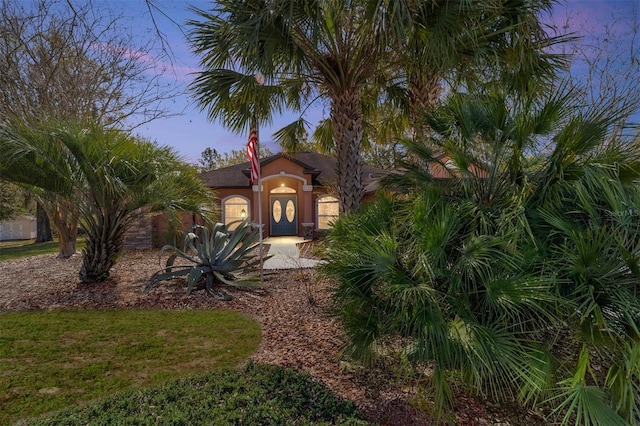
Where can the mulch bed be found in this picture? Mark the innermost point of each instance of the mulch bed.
(293, 308)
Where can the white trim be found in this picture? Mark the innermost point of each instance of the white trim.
(283, 174)
(255, 188)
(307, 188)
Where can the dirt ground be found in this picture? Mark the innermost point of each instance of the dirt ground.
(293, 309)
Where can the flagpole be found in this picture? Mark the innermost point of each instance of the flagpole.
(260, 205)
(260, 81)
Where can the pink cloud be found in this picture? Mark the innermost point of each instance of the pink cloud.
(156, 65)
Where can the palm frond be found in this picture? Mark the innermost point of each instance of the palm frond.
(292, 135)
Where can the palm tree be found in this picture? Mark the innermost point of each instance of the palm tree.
(307, 50)
(518, 275)
(452, 44)
(106, 176)
(28, 157)
(345, 50)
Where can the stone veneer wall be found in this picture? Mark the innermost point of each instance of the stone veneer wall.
(140, 234)
(152, 230)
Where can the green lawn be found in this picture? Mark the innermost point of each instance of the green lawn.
(52, 360)
(21, 248)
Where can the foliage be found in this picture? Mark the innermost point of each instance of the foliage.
(57, 359)
(14, 200)
(445, 47)
(518, 275)
(103, 177)
(295, 45)
(210, 159)
(257, 394)
(71, 61)
(355, 55)
(216, 256)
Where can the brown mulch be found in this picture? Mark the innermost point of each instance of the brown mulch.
(293, 309)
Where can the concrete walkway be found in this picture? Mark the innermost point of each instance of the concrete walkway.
(285, 254)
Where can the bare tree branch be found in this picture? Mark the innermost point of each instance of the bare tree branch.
(62, 59)
(605, 65)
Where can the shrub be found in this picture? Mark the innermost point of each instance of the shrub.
(260, 394)
(215, 256)
(516, 278)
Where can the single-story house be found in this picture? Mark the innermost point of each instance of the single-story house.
(21, 227)
(297, 196)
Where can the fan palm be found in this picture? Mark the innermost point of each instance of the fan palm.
(439, 45)
(27, 157)
(106, 175)
(534, 237)
(306, 50)
(344, 51)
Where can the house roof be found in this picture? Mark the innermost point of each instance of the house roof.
(321, 167)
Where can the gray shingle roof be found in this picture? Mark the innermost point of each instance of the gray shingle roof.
(321, 166)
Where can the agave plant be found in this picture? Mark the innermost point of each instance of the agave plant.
(216, 255)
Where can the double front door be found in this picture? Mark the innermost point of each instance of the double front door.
(284, 215)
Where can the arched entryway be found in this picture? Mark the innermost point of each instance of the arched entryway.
(283, 211)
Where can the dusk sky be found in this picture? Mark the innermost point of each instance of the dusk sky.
(191, 132)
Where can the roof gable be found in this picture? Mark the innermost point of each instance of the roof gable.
(321, 167)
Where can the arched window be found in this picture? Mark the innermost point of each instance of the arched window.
(327, 210)
(283, 190)
(235, 208)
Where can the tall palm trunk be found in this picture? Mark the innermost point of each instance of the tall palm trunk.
(424, 92)
(104, 242)
(346, 118)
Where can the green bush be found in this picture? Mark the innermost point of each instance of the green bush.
(518, 278)
(260, 394)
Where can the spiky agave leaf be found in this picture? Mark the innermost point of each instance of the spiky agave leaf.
(217, 294)
(166, 274)
(218, 257)
(194, 275)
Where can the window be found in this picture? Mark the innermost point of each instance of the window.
(327, 208)
(283, 190)
(234, 208)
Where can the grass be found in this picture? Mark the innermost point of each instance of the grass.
(259, 394)
(22, 248)
(52, 360)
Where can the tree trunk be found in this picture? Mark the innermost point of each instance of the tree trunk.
(346, 118)
(103, 245)
(43, 226)
(67, 236)
(65, 220)
(424, 93)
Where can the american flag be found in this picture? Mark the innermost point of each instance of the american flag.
(252, 154)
